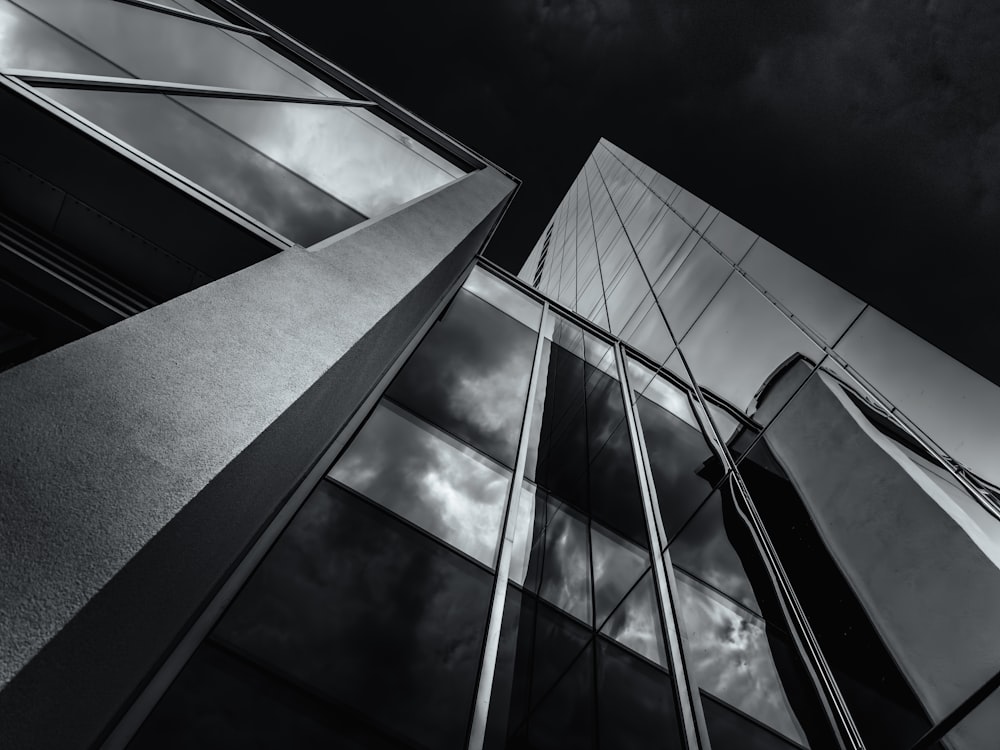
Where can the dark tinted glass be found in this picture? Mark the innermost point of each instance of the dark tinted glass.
(429, 478)
(361, 611)
(470, 375)
(717, 548)
(684, 466)
(564, 717)
(226, 701)
(181, 139)
(740, 660)
(636, 624)
(730, 730)
(635, 703)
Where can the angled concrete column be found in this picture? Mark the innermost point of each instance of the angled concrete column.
(138, 463)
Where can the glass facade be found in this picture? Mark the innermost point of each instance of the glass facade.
(219, 106)
(542, 537)
(670, 488)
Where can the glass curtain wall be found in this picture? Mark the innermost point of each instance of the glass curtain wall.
(860, 458)
(215, 104)
(522, 475)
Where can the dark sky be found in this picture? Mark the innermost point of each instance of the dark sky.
(861, 137)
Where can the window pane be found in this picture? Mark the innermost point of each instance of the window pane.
(564, 565)
(741, 343)
(747, 665)
(470, 375)
(690, 289)
(617, 566)
(429, 478)
(635, 623)
(683, 464)
(146, 44)
(820, 304)
(353, 630)
(730, 237)
(504, 297)
(32, 44)
(635, 702)
(180, 139)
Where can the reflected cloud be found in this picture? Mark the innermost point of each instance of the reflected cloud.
(636, 623)
(362, 610)
(348, 156)
(470, 376)
(731, 658)
(617, 565)
(415, 470)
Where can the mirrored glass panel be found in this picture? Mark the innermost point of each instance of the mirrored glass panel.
(470, 375)
(32, 44)
(747, 666)
(161, 47)
(429, 478)
(179, 138)
(354, 629)
(820, 304)
(742, 348)
(696, 281)
(635, 702)
(504, 297)
(635, 623)
(730, 237)
(956, 407)
(683, 464)
(617, 565)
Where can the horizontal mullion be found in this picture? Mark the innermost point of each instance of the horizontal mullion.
(195, 17)
(140, 85)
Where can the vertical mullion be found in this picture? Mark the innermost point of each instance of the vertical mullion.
(666, 587)
(484, 689)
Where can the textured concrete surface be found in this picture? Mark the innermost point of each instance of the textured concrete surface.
(926, 580)
(106, 439)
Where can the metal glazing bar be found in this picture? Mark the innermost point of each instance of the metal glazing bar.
(484, 689)
(956, 468)
(437, 140)
(139, 85)
(666, 593)
(195, 17)
(158, 684)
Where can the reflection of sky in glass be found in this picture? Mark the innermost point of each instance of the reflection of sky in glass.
(636, 622)
(503, 296)
(433, 481)
(361, 160)
(469, 376)
(705, 549)
(690, 289)
(356, 607)
(958, 408)
(179, 139)
(618, 564)
(565, 569)
(731, 658)
(739, 341)
(26, 42)
(730, 236)
(819, 303)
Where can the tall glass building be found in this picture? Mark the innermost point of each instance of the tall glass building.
(286, 462)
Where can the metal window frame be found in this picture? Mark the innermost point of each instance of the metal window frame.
(90, 82)
(188, 15)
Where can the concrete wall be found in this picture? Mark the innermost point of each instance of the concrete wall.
(930, 589)
(137, 464)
